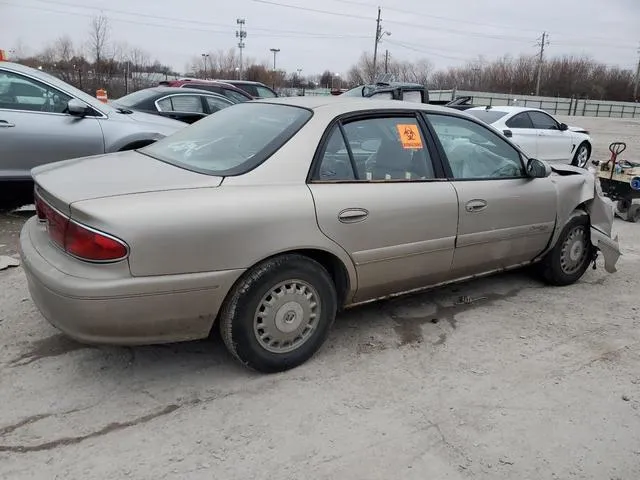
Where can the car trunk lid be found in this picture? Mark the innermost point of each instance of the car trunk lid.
(123, 173)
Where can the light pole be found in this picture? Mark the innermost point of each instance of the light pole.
(275, 52)
(333, 77)
(238, 73)
(205, 56)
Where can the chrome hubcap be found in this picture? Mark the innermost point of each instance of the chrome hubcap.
(583, 156)
(573, 251)
(286, 316)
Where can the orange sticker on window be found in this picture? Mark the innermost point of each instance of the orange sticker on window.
(409, 136)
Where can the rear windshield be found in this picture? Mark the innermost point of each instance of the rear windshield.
(134, 98)
(232, 141)
(487, 116)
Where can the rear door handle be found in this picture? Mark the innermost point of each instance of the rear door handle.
(5, 124)
(353, 215)
(475, 205)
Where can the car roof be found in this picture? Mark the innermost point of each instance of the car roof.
(242, 82)
(508, 109)
(196, 91)
(341, 105)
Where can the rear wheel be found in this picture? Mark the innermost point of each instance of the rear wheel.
(582, 155)
(279, 313)
(571, 255)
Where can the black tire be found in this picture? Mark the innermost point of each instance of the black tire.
(14, 194)
(576, 162)
(240, 327)
(633, 215)
(558, 266)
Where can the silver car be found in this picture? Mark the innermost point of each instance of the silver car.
(270, 216)
(43, 120)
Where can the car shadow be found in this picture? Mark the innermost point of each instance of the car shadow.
(428, 317)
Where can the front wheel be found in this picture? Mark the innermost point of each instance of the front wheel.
(279, 313)
(567, 261)
(582, 155)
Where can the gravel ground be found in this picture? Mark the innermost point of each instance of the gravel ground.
(527, 382)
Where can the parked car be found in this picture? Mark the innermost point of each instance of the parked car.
(233, 93)
(255, 89)
(539, 134)
(408, 92)
(43, 119)
(185, 104)
(269, 217)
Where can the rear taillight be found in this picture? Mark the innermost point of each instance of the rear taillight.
(89, 244)
(78, 240)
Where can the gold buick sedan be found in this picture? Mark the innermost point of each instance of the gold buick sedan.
(268, 217)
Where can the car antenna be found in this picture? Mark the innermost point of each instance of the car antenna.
(488, 107)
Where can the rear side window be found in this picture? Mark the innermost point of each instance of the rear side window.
(233, 141)
(264, 92)
(487, 116)
(521, 120)
(235, 96)
(388, 149)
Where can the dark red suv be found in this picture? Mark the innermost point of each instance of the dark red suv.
(233, 93)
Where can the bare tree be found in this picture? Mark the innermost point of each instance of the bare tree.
(99, 37)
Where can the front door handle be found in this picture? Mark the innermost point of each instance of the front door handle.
(5, 124)
(353, 215)
(475, 205)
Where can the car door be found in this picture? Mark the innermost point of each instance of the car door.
(554, 145)
(505, 217)
(524, 135)
(34, 128)
(388, 210)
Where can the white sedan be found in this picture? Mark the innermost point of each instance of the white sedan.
(539, 134)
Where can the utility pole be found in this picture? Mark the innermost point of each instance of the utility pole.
(386, 61)
(543, 42)
(375, 48)
(126, 79)
(635, 87)
(379, 34)
(205, 56)
(241, 34)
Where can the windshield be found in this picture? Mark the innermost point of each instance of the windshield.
(133, 98)
(233, 141)
(487, 116)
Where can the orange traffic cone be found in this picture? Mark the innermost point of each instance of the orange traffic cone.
(101, 94)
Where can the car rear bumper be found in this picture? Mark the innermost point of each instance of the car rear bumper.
(126, 311)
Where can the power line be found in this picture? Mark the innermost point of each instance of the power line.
(302, 34)
(418, 49)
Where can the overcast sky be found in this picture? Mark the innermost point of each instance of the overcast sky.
(448, 32)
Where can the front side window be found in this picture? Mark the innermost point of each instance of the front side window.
(23, 93)
(233, 141)
(543, 121)
(235, 96)
(521, 120)
(215, 104)
(380, 149)
(474, 151)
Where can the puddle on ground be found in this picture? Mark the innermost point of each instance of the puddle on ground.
(53, 346)
(409, 329)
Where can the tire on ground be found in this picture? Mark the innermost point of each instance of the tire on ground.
(566, 262)
(237, 318)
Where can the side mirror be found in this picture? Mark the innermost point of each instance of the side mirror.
(563, 127)
(507, 133)
(78, 108)
(538, 169)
